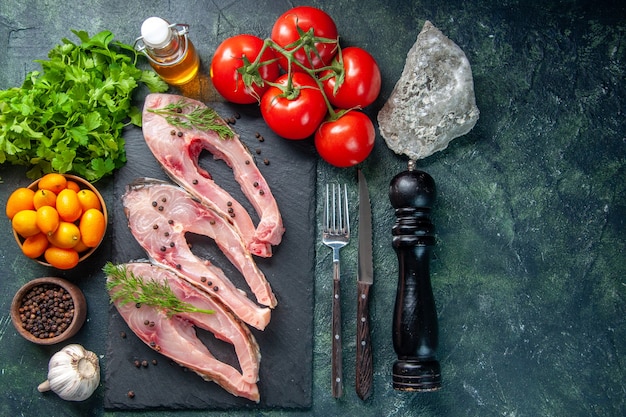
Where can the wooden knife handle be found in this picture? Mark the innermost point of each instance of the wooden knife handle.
(415, 331)
(364, 368)
(336, 359)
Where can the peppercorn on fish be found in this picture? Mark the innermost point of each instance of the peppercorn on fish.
(177, 129)
(159, 214)
(174, 336)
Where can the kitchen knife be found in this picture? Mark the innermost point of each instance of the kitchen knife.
(365, 276)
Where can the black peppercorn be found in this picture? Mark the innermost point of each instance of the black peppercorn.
(46, 311)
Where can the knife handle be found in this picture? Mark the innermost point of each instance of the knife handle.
(415, 327)
(336, 357)
(364, 368)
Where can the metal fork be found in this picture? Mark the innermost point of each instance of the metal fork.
(335, 235)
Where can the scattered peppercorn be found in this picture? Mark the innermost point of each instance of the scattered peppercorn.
(131, 394)
(247, 162)
(144, 363)
(261, 192)
(258, 151)
(137, 364)
(154, 204)
(123, 335)
(216, 288)
(156, 226)
(257, 135)
(172, 244)
(170, 221)
(180, 134)
(266, 161)
(195, 182)
(237, 116)
(154, 362)
(172, 132)
(256, 184)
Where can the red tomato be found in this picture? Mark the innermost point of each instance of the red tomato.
(346, 141)
(297, 117)
(361, 82)
(285, 32)
(228, 61)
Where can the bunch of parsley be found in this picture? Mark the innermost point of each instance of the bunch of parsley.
(69, 117)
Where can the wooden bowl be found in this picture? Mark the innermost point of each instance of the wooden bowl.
(82, 184)
(72, 322)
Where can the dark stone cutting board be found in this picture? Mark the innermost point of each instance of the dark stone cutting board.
(286, 344)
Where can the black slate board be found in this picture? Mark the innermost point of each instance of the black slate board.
(286, 344)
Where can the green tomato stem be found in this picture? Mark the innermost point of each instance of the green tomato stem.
(306, 41)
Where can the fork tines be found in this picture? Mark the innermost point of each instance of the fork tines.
(336, 217)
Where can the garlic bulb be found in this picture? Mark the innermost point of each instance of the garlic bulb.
(73, 373)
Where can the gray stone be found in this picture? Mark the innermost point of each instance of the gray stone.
(433, 101)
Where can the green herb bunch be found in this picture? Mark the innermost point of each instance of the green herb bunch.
(69, 117)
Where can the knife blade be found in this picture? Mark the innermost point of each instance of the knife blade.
(365, 279)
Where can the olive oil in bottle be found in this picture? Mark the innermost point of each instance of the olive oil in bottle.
(169, 50)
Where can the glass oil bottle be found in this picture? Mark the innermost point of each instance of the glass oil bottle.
(169, 50)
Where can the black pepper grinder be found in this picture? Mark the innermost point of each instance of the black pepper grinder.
(415, 329)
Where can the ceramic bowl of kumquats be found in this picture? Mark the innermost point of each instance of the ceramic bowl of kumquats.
(48, 310)
(58, 220)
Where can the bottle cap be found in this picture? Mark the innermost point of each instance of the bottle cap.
(155, 32)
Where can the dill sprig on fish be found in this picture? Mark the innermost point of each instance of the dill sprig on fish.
(186, 115)
(132, 289)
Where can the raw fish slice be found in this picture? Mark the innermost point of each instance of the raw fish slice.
(161, 233)
(192, 216)
(176, 338)
(223, 324)
(178, 155)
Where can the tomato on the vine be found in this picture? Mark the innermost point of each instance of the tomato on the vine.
(314, 54)
(296, 113)
(227, 69)
(346, 141)
(361, 79)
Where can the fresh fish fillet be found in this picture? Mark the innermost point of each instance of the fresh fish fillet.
(175, 336)
(174, 202)
(178, 149)
(159, 214)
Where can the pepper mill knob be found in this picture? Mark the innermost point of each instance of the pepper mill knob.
(415, 329)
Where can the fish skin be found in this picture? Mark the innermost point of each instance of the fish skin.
(178, 156)
(166, 245)
(175, 336)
